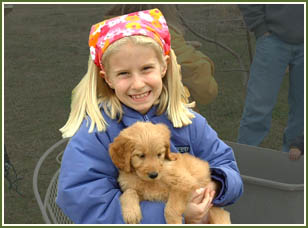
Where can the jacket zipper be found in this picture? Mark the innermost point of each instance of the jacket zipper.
(146, 118)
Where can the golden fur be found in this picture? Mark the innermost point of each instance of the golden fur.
(149, 171)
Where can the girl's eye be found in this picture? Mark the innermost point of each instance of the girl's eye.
(147, 68)
(123, 73)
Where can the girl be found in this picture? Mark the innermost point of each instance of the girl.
(133, 76)
(197, 69)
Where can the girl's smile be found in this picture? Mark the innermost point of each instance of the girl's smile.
(140, 97)
(135, 73)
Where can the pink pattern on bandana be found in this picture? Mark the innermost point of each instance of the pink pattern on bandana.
(149, 23)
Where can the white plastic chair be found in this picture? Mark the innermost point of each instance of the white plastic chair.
(51, 213)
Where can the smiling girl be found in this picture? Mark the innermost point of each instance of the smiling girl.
(135, 73)
(133, 76)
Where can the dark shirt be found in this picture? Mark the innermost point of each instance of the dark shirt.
(284, 20)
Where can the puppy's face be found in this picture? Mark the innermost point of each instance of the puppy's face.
(147, 159)
(142, 149)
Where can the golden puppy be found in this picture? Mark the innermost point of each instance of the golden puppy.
(149, 171)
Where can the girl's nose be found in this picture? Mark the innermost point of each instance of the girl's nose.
(137, 82)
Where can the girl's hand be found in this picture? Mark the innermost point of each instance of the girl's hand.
(197, 208)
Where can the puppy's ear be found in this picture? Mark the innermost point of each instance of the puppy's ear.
(120, 153)
(165, 132)
(169, 155)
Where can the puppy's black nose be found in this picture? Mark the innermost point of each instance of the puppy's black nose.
(153, 175)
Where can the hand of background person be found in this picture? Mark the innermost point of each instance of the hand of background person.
(294, 154)
(195, 44)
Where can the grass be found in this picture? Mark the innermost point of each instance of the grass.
(46, 55)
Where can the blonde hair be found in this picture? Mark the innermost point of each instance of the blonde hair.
(93, 93)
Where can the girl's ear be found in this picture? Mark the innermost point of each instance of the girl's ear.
(104, 75)
(165, 67)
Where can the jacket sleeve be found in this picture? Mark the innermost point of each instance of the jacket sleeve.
(220, 156)
(88, 192)
(254, 17)
(197, 70)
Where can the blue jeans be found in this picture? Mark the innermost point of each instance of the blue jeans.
(266, 74)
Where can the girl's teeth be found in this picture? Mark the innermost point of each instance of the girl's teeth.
(140, 95)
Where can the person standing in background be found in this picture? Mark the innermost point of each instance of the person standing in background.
(279, 32)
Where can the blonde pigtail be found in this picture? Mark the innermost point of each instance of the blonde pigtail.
(85, 101)
(178, 107)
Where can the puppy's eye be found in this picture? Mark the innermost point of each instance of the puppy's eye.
(159, 155)
(141, 156)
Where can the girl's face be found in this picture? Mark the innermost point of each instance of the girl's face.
(135, 73)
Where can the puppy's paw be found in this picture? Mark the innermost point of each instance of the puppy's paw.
(174, 220)
(172, 217)
(218, 215)
(132, 215)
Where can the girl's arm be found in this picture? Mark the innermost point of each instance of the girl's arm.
(220, 156)
(88, 191)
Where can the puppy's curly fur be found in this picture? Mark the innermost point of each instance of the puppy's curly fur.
(149, 171)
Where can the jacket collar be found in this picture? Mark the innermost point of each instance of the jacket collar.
(131, 116)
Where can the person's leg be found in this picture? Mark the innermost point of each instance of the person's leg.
(266, 74)
(295, 126)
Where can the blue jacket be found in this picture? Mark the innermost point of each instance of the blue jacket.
(88, 191)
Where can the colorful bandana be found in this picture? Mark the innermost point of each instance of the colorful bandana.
(149, 23)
